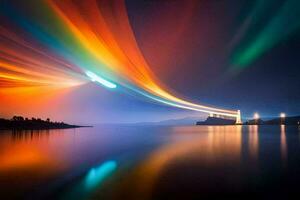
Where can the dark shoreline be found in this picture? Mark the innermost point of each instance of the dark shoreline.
(43, 128)
(20, 123)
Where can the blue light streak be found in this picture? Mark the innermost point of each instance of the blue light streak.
(97, 174)
(96, 78)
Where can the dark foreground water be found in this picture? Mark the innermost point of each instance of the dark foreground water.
(148, 162)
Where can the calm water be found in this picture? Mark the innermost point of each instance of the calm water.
(148, 162)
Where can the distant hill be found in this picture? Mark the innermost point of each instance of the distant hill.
(19, 122)
(182, 121)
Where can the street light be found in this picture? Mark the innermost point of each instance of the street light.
(282, 115)
(282, 118)
(256, 117)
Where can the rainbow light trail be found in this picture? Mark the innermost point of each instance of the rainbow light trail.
(69, 43)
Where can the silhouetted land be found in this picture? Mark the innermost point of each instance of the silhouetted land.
(216, 121)
(295, 120)
(19, 122)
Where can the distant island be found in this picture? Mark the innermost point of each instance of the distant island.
(216, 121)
(19, 122)
(294, 120)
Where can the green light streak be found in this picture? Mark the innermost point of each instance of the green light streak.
(285, 23)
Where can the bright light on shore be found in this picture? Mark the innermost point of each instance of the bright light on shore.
(282, 115)
(256, 116)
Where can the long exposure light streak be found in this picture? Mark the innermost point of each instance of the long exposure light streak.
(96, 175)
(284, 24)
(71, 42)
(97, 78)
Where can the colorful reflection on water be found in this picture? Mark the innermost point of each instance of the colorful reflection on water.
(253, 141)
(148, 162)
(96, 175)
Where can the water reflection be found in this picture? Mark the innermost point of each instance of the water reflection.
(253, 141)
(299, 131)
(283, 144)
(225, 141)
(18, 153)
(29, 134)
(207, 146)
(97, 174)
(146, 162)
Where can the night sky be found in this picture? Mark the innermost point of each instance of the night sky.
(234, 54)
